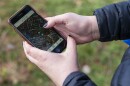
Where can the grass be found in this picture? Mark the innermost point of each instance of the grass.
(16, 70)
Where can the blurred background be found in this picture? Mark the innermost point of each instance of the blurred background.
(98, 60)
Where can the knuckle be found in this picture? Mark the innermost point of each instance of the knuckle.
(69, 14)
(29, 51)
(54, 18)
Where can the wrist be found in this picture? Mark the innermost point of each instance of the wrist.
(91, 30)
(94, 28)
(64, 76)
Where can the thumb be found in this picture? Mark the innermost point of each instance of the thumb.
(71, 46)
(52, 21)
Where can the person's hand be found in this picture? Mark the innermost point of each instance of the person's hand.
(83, 29)
(56, 65)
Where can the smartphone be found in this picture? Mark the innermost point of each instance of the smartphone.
(29, 25)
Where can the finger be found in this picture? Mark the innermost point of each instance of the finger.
(48, 18)
(62, 30)
(36, 53)
(29, 57)
(55, 20)
(71, 45)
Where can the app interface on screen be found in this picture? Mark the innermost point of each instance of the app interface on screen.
(31, 26)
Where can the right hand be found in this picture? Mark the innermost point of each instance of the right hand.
(83, 29)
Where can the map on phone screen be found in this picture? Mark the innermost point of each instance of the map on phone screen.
(31, 26)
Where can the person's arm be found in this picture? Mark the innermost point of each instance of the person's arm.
(78, 79)
(114, 21)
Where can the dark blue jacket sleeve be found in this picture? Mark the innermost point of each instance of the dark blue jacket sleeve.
(78, 79)
(114, 21)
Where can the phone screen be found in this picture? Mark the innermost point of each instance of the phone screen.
(31, 26)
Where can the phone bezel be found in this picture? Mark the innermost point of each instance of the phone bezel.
(63, 43)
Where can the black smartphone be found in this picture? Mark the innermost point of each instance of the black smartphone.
(29, 25)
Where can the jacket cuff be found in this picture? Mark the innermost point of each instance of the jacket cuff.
(78, 79)
(108, 22)
(104, 35)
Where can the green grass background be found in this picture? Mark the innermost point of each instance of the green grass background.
(16, 70)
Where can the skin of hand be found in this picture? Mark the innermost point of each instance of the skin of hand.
(56, 65)
(83, 29)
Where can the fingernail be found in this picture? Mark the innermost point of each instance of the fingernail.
(45, 25)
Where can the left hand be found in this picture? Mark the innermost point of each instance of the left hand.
(56, 65)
